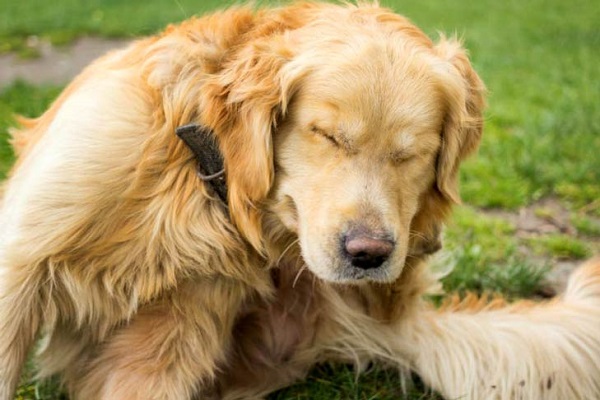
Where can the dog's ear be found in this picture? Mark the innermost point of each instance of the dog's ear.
(463, 124)
(243, 104)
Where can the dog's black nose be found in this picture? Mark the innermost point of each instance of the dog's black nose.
(367, 250)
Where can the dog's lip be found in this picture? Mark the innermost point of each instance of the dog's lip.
(348, 274)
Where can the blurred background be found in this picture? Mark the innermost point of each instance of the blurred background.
(531, 207)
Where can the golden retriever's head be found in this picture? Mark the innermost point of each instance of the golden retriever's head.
(350, 125)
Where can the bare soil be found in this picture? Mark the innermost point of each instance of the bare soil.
(56, 65)
(546, 216)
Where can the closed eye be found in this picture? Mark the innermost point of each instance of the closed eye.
(402, 156)
(325, 135)
(332, 139)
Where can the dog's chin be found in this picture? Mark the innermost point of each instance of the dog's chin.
(348, 274)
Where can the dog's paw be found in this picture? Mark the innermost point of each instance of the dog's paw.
(584, 283)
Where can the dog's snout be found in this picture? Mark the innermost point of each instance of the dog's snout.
(366, 250)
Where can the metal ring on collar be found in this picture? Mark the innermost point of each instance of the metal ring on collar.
(207, 178)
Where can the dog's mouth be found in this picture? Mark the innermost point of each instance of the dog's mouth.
(350, 274)
(342, 266)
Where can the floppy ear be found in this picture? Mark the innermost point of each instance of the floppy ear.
(244, 102)
(463, 124)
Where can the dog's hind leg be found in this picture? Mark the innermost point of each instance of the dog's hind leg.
(170, 350)
(19, 321)
(490, 350)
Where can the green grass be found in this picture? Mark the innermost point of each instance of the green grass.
(540, 61)
(586, 226)
(325, 381)
(335, 382)
(23, 99)
(32, 389)
(561, 246)
(62, 21)
(484, 252)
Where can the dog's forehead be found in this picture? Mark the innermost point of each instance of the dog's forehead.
(382, 89)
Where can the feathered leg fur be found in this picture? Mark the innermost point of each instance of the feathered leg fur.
(525, 350)
(170, 350)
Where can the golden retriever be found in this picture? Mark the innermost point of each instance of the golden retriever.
(342, 128)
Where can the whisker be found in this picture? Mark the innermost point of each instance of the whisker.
(286, 250)
(298, 275)
(419, 235)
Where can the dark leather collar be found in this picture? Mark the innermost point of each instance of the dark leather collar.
(203, 143)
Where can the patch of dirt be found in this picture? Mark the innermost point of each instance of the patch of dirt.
(546, 216)
(56, 65)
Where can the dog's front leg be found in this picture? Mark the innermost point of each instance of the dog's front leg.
(170, 350)
(525, 350)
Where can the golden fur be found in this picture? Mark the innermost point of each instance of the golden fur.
(329, 118)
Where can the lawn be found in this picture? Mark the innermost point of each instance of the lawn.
(532, 194)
